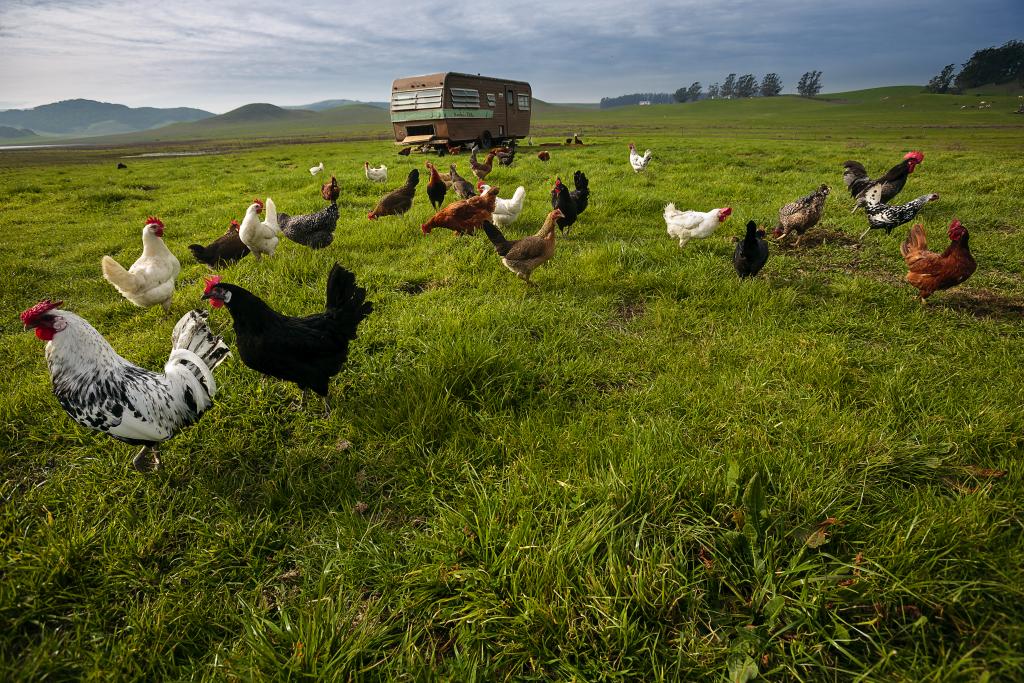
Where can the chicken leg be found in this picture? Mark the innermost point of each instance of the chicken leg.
(143, 464)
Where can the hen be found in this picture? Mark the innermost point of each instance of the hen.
(225, 250)
(436, 187)
(858, 182)
(315, 230)
(150, 280)
(481, 171)
(930, 272)
(376, 175)
(316, 169)
(101, 390)
(505, 210)
(507, 155)
(465, 215)
(308, 350)
(523, 256)
(882, 216)
(463, 188)
(260, 236)
(688, 225)
(571, 204)
(544, 155)
(751, 252)
(638, 162)
(801, 215)
(397, 202)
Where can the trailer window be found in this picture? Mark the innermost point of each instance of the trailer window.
(465, 98)
(492, 99)
(413, 100)
(524, 102)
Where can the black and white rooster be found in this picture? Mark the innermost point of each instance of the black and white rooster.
(101, 390)
(882, 216)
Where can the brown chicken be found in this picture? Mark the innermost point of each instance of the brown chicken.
(543, 156)
(405, 151)
(464, 216)
(801, 215)
(397, 202)
(930, 272)
(463, 188)
(523, 256)
(436, 187)
(481, 171)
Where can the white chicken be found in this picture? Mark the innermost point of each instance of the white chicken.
(260, 236)
(377, 175)
(101, 390)
(316, 169)
(505, 210)
(688, 225)
(638, 162)
(150, 280)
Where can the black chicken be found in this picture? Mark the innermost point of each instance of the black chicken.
(571, 204)
(226, 249)
(751, 252)
(307, 351)
(858, 182)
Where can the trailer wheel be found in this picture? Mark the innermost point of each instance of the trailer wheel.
(486, 141)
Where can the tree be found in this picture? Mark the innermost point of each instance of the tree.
(713, 91)
(940, 84)
(727, 86)
(810, 84)
(693, 92)
(771, 85)
(746, 86)
(679, 95)
(993, 65)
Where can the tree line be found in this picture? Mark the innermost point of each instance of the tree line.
(991, 65)
(732, 87)
(636, 98)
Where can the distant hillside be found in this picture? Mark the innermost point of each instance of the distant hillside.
(88, 117)
(332, 104)
(254, 113)
(9, 133)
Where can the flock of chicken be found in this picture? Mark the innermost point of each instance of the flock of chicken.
(101, 390)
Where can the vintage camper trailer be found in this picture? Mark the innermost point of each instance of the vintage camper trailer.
(439, 110)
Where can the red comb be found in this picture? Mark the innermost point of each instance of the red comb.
(234, 222)
(153, 220)
(29, 316)
(258, 202)
(955, 224)
(211, 282)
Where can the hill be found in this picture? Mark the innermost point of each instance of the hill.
(332, 104)
(9, 133)
(259, 112)
(88, 117)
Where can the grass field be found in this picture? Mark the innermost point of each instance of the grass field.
(643, 469)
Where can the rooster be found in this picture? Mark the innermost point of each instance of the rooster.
(751, 252)
(314, 230)
(571, 204)
(465, 215)
(463, 188)
(505, 210)
(523, 256)
(930, 272)
(150, 280)
(101, 390)
(688, 225)
(398, 201)
(260, 236)
(858, 182)
(376, 175)
(481, 171)
(881, 216)
(436, 187)
(801, 215)
(307, 351)
(638, 162)
(225, 250)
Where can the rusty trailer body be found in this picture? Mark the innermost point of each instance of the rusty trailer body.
(442, 109)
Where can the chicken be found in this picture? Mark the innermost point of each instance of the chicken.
(688, 225)
(260, 236)
(101, 390)
(801, 215)
(507, 155)
(858, 182)
(638, 162)
(398, 201)
(465, 215)
(463, 188)
(377, 175)
(481, 171)
(226, 249)
(751, 252)
(571, 204)
(316, 169)
(308, 350)
(524, 255)
(436, 187)
(930, 272)
(505, 210)
(405, 151)
(544, 155)
(882, 216)
(314, 230)
(150, 280)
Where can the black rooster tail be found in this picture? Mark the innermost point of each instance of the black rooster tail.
(501, 245)
(199, 251)
(347, 298)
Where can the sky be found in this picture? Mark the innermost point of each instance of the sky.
(221, 55)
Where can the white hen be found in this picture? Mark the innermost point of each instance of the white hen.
(505, 210)
(638, 162)
(150, 280)
(260, 236)
(688, 225)
(377, 175)
(316, 169)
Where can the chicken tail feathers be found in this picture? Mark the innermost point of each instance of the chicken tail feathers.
(199, 251)
(344, 296)
(501, 245)
(916, 242)
(192, 333)
(115, 274)
(271, 211)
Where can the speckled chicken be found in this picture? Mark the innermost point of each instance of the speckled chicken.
(882, 216)
(801, 215)
(314, 230)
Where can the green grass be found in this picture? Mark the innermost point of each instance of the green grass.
(644, 469)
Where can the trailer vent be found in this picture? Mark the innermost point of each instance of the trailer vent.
(464, 98)
(414, 100)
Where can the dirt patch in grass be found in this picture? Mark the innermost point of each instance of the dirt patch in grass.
(626, 311)
(412, 287)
